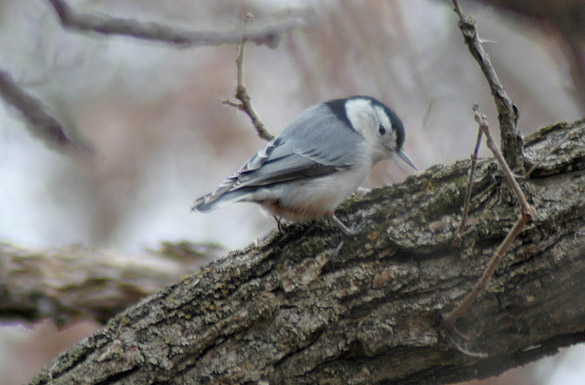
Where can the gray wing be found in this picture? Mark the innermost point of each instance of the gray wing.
(315, 144)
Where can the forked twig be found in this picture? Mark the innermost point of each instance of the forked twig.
(525, 207)
(512, 145)
(527, 212)
(242, 95)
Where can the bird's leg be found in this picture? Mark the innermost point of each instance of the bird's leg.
(281, 226)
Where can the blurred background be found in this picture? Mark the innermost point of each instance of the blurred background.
(153, 113)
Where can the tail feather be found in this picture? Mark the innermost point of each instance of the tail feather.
(214, 201)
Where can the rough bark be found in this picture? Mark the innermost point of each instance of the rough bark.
(72, 283)
(311, 306)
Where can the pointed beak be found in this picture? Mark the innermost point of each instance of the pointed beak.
(403, 156)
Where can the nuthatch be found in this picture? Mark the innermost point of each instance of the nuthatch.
(318, 161)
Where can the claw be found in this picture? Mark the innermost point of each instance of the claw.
(348, 230)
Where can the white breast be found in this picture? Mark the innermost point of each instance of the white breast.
(320, 197)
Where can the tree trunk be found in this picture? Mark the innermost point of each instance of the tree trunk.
(312, 306)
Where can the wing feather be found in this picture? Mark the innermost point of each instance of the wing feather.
(315, 144)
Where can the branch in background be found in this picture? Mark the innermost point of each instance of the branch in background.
(45, 126)
(567, 18)
(242, 95)
(80, 283)
(512, 143)
(105, 25)
(42, 124)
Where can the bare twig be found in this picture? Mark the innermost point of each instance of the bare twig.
(469, 187)
(42, 124)
(488, 273)
(268, 34)
(525, 207)
(512, 146)
(512, 143)
(527, 212)
(242, 95)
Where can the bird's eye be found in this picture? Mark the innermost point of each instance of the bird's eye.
(381, 130)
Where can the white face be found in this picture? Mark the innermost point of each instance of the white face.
(374, 124)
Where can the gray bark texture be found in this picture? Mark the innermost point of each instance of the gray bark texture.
(312, 306)
(72, 283)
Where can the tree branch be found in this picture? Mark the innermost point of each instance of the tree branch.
(269, 34)
(474, 157)
(564, 21)
(46, 127)
(242, 95)
(308, 306)
(39, 122)
(511, 140)
(72, 283)
(527, 212)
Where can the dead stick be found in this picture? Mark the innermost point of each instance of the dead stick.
(488, 273)
(512, 142)
(526, 210)
(469, 187)
(242, 95)
(525, 207)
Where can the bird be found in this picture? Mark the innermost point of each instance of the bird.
(318, 161)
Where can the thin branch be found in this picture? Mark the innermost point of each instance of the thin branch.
(527, 212)
(512, 146)
(268, 34)
(242, 95)
(512, 143)
(525, 207)
(488, 273)
(474, 156)
(42, 124)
